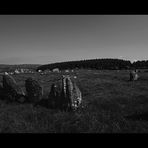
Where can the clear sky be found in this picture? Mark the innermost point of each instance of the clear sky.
(42, 39)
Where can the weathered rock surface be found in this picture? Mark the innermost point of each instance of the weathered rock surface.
(12, 90)
(73, 94)
(34, 91)
(65, 94)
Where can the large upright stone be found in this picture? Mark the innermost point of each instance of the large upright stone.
(12, 90)
(73, 94)
(34, 91)
(65, 94)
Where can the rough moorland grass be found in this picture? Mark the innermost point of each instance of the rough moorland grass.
(110, 101)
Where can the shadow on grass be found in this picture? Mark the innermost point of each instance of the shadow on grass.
(135, 117)
(43, 103)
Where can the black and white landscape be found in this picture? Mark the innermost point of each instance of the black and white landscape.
(73, 74)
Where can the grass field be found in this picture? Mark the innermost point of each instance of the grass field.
(112, 104)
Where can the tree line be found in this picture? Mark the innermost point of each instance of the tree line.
(140, 64)
(100, 64)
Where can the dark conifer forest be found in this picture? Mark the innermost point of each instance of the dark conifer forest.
(100, 64)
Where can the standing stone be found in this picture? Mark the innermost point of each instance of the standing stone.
(73, 94)
(65, 100)
(134, 75)
(12, 90)
(34, 91)
(65, 95)
(54, 96)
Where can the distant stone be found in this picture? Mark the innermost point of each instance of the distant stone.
(66, 70)
(11, 73)
(16, 71)
(74, 77)
(39, 70)
(56, 70)
(134, 75)
(34, 91)
(12, 90)
(6, 73)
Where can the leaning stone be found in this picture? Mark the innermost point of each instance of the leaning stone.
(11, 88)
(34, 91)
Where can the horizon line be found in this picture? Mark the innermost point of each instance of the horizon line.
(132, 61)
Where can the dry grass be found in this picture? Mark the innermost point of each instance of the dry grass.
(111, 102)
